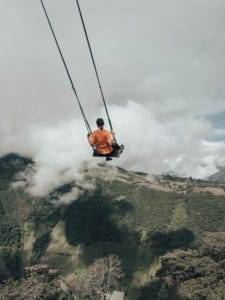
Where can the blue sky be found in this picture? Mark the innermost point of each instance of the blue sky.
(218, 121)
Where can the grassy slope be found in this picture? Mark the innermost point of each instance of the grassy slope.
(126, 215)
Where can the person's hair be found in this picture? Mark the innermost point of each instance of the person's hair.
(100, 122)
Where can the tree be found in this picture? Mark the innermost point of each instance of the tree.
(214, 245)
(195, 274)
(101, 278)
(39, 282)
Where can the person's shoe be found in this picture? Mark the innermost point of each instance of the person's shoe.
(120, 151)
(122, 148)
(108, 158)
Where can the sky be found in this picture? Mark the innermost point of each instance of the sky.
(161, 65)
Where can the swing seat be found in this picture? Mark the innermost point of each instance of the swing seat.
(117, 151)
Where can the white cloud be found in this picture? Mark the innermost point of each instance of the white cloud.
(156, 146)
(179, 146)
(67, 198)
(60, 153)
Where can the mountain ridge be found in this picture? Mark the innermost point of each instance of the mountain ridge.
(218, 176)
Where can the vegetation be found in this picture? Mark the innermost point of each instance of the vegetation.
(189, 275)
(127, 217)
(11, 164)
(16, 207)
(39, 282)
(100, 279)
(163, 242)
(195, 274)
(10, 232)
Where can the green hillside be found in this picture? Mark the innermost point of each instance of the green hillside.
(128, 215)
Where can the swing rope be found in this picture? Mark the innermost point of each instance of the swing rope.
(66, 68)
(94, 64)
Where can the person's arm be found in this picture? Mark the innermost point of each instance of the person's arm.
(111, 137)
(113, 134)
(91, 139)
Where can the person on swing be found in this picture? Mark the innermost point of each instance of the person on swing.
(103, 142)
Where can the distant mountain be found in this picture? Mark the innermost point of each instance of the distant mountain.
(12, 163)
(219, 176)
(139, 220)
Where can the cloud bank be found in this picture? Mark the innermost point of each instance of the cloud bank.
(177, 146)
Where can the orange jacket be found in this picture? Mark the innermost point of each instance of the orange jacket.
(102, 140)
